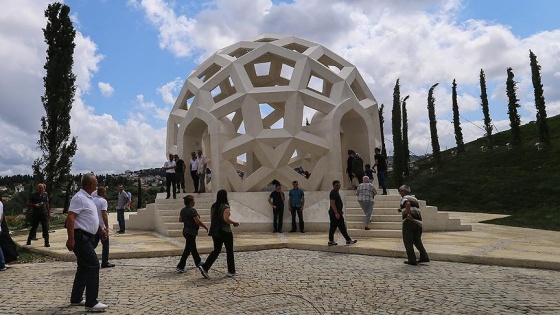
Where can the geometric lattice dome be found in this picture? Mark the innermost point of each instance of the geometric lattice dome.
(261, 108)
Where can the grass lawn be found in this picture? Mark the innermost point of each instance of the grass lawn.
(521, 182)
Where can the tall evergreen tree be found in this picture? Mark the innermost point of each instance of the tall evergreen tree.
(456, 121)
(397, 136)
(405, 150)
(433, 125)
(539, 99)
(139, 203)
(485, 109)
(381, 122)
(513, 105)
(53, 167)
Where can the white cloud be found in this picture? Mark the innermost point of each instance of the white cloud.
(421, 42)
(104, 144)
(105, 88)
(167, 89)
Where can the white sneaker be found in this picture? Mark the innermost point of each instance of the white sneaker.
(99, 307)
(229, 274)
(81, 303)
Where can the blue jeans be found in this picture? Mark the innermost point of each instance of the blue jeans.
(87, 274)
(120, 219)
(381, 179)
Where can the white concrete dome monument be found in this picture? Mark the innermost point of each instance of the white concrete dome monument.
(261, 108)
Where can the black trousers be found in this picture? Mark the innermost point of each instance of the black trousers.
(278, 214)
(299, 212)
(412, 236)
(104, 247)
(195, 179)
(224, 239)
(170, 181)
(180, 181)
(36, 218)
(190, 248)
(87, 274)
(337, 223)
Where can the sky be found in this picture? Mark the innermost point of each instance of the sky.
(133, 56)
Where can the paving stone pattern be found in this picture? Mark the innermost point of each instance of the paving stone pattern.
(287, 281)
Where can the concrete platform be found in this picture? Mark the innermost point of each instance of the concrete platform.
(486, 244)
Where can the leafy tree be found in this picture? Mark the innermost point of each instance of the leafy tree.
(397, 136)
(539, 99)
(456, 120)
(405, 151)
(433, 125)
(381, 122)
(53, 167)
(485, 109)
(513, 105)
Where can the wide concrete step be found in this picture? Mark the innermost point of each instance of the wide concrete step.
(385, 218)
(357, 233)
(375, 225)
(177, 212)
(376, 211)
(179, 206)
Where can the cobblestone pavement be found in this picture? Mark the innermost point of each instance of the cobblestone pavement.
(287, 281)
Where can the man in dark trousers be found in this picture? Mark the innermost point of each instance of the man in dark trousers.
(276, 200)
(296, 202)
(193, 162)
(122, 200)
(180, 168)
(39, 201)
(381, 163)
(169, 167)
(411, 227)
(336, 216)
(81, 225)
(100, 200)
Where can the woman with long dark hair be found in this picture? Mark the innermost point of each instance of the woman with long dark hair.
(7, 246)
(220, 230)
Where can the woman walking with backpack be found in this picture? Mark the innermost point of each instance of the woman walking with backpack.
(220, 230)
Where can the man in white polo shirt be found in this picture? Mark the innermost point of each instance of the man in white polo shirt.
(82, 224)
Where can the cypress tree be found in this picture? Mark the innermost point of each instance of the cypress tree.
(405, 150)
(456, 120)
(433, 125)
(539, 99)
(53, 167)
(397, 136)
(513, 105)
(485, 109)
(139, 203)
(381, 122)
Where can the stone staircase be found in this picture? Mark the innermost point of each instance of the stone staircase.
(162, 216)
(386, 220)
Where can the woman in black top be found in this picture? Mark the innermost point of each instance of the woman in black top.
(220, 230)
(191, 221)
